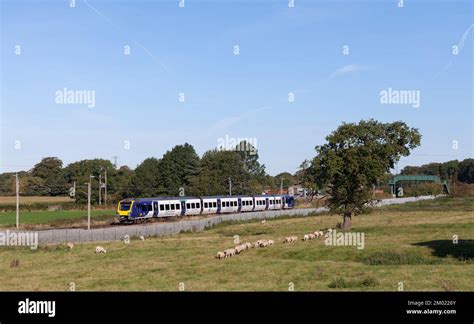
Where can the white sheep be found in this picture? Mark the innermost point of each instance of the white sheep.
(306, 237)
(263, 222)
(248, 245)
(312, 236)
(239, 248)
(220, 255)
(294, 238)
(70, 245)
(100, 249)
(321, 233)
(229, 253)
(271, 242)
(287, 239)
(142, 238)
(263, 243)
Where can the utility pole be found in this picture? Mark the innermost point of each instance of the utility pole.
(89, 203)
(105, 192)
(230, 186)
(100, 189)
(115, 161)
(17, 190)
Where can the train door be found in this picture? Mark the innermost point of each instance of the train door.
(266, 203)
(239, 204)
(218, 205)
(155, 209)
(183, 208)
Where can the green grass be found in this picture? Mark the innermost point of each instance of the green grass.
(53, 218)
(414, 247)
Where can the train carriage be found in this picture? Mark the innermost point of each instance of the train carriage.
(163, 207)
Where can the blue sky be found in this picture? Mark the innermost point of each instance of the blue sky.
(190, 50)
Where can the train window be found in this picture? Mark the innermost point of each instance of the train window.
(167, 207)
(177, 207)
(188, 206)
(251, 203)
(162, 207)
(193, 205)
(214, 204)
(205, 205)
(150, 208)
(198, 205)
(172, 206)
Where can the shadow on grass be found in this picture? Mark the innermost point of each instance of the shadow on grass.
(463, 250)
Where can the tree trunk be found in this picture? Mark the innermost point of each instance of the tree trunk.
(347, 224)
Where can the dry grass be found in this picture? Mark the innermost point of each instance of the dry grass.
(33, 199)
(162, 263)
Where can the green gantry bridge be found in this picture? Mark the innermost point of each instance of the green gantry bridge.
(393, 183)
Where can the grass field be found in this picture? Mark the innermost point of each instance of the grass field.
(33, 199)
(411, 244)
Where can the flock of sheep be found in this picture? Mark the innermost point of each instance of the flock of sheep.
(239, 248)
(243, 247)
(264, 243)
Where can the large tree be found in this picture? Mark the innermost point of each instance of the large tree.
(355, 157)
(216, 168)
(47, 178)
(177, 168)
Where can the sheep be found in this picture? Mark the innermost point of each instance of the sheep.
(290, 239)
(142, 238)
(229, 253)
(312, 236)
(70, 245)
(306, 237)
(263, 222)
(258, 243)
(263, 243)
(316, 233)
(100, 249)
(220, 255)
(294, 238)
(271, 242)
(321, 233)
(248, 245)
(240, 248)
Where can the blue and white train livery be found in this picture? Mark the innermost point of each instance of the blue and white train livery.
(160, 207)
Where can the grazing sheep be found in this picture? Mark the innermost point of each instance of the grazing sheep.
(312, 236)
(263, 243)
(294, 238)
(229, 253)
(240, 248)
(248, 245)
(321, 233)
(271, 242)
(100, 249)
(70, 245)
(306, 237)
(220, 255)
(316, 233)
(263, 222)
(287, 239)
(142, 238)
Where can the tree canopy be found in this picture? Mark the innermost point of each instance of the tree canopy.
(355, 157)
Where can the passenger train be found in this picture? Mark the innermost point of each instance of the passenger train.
(131, 210)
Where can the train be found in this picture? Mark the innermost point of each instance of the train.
(135, 209)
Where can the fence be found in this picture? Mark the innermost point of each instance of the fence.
(118, 232)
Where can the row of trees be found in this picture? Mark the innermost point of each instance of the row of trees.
(462, 171)
(180, 170)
